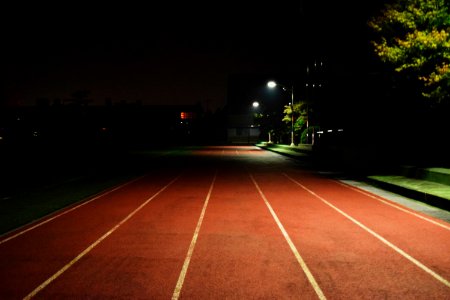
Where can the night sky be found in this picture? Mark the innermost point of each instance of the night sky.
(170, 53)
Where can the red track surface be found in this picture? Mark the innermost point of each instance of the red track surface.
(244, 224)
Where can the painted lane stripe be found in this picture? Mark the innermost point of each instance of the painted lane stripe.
(382, 239)
(187, 260)
(66, 211)
(394, 205)
(297, 255)
(92, 246)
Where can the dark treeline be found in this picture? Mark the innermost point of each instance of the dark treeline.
(78, 125)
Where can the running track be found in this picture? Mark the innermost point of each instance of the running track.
(229, 223)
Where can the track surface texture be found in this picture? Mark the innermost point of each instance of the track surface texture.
(229, 223)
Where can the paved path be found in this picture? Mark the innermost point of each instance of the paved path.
(230, 223)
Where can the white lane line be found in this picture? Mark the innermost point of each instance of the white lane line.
(179, 286)
(66, 211)
(297, 255)
(382, 239)
(92, 246)
(394, 205)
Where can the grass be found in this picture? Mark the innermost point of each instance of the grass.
(35, 184)
(30, 205)
(427, 187)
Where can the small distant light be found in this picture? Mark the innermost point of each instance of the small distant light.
(255, 104)
(340, 130)
(1, 138)
(329, 130)
(319, 132)
(103, 128)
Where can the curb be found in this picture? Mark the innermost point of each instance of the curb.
(413, 194)
(424, 197)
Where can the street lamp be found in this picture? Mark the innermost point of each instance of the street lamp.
(256, 106)
(273, 84)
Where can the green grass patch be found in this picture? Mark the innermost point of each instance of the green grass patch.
(30, 205)
(427, 187)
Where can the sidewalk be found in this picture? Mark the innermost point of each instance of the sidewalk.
(428, 185)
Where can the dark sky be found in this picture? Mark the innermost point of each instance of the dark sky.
(175, 52)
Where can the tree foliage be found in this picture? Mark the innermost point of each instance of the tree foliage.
(300, 111)
(414, 36)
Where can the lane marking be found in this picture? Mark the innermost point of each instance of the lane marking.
(393, 205)
(382, 239)
(297, 255)
(92, 246)
(66, 211)
(187, 260)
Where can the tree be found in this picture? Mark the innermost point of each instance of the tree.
(414, 37)
(300, 115)
(300, 111)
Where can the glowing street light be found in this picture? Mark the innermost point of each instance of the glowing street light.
(272, 84)
(255, 104)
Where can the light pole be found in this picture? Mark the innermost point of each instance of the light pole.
(273, 84)
(256, 107)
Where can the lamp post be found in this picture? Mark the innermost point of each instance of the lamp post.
(256, 106)
(273, 84)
